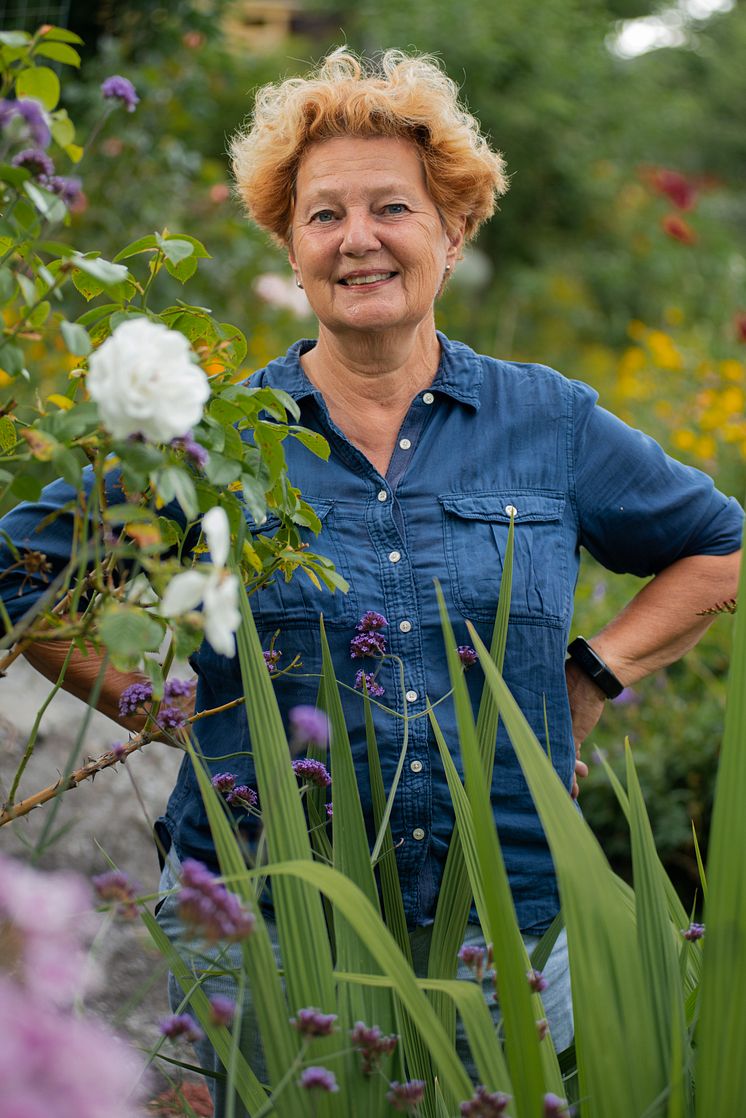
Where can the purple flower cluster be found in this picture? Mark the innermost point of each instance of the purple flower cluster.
(134, 696)
(67, 187)
(406, 1096)
(181, 1026)
(312, 1022)
(372, 1045)
(192, 449)
(222, 1010)
(30, 113)
(371, 622)
(115, 887)
(237, 795)
(374, 689)
(330, 810)
(536, 981)
(555, 1107)
(208, 909)
(473, 956)
(170, 718)
(272, 659)
(312, 772)
(308, 726)
(178, 689)
(467, 655)
(693, 932)
(35, 161)
(485, 1104)
(120, 89)
(320, 1079)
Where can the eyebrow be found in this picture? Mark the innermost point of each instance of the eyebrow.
(318, 195)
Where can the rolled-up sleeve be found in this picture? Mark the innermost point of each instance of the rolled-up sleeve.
(638, 509)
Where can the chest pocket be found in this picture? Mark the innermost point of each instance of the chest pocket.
(475, 533)
(298, 603)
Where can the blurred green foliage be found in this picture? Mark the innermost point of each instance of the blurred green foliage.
(592, 266)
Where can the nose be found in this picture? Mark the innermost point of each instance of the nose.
(359, 234)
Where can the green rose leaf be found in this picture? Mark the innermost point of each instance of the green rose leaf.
(60, 52)
(15, 38)
(7, 433)
(222, 471)
(103, 271)
(127, 632)
(52, 208)
(12, 360)
(39, 82)
(76, 338)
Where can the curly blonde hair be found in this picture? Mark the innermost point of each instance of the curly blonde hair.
(394, 95)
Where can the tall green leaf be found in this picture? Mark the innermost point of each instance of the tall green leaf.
(615, 1037)
(721, 1068)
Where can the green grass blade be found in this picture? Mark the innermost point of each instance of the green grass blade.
(511, 962)
(721, 1068)
(700, 863)
(614, 1037)
(655, 933)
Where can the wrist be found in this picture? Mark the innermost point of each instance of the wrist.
(588, 660)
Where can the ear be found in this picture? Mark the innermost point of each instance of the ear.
(292, 260)
(456, 243)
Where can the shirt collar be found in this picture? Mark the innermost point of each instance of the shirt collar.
(459, 374)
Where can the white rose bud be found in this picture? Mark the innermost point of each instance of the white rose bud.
(145, 382)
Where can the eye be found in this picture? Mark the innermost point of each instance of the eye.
(394, 209)
(323, 217)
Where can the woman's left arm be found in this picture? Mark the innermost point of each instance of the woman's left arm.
(657, 627)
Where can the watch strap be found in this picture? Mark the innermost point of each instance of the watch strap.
(581, 653)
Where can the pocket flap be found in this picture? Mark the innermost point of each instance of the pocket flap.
(529, 505)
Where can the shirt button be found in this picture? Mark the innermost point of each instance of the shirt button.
(416, 766)
(405, 444)
(405, 626)
(394, 556)
(427, 397)
(382, 495)
(411, 696)
(511, 510)
(418, 834)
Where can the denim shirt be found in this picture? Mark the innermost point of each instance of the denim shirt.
(488, 436)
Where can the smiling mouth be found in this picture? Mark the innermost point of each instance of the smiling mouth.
(362, 281)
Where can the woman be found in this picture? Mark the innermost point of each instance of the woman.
(372, 178)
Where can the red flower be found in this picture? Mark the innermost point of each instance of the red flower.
(676, 187)
(740, 324)
(679, 229)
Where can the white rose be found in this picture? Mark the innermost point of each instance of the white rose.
(216, 590)
(145, 382)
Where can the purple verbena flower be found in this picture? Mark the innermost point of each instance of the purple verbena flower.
(554, 1106)
(485, 1104)
(542, 1027)
(405, 1096)
(181, 1026)
(116, 887)
(313, 772)
(367, 644)
(627, 696)
(308, 726)
(330, 810)
(34, 160)
(134, 696)
(312, 1022)
(30, 121)
(536, 981)
(467, 655)
(224, 782)
(178, 688)
(693, 932)
(372, 1045)
(242, 796)
(315, 1078)
(208, 909)
(272, 659)
(373, 688)
(68, 188)
(170, 718)
(473, 956)
(222, 1010)
(192, 449)
(121, 89)
(370, 621)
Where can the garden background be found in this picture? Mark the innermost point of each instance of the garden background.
(617, 258)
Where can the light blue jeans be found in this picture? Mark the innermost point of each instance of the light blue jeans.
(556, 998)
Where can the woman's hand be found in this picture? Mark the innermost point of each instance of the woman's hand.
(586, 707)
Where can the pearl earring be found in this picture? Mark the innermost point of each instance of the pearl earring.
(298, 283)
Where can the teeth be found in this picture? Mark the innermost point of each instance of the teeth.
(356, 281)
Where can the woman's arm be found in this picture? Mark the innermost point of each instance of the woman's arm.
(658, 626)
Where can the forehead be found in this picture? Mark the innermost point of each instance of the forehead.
(349, 163)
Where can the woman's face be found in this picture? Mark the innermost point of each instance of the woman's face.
(367, 242)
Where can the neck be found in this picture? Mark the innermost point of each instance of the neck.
(368, 386)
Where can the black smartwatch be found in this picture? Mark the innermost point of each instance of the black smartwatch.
(581, 653)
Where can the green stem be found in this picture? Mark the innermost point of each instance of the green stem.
(297, 1063)
(397, 775)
